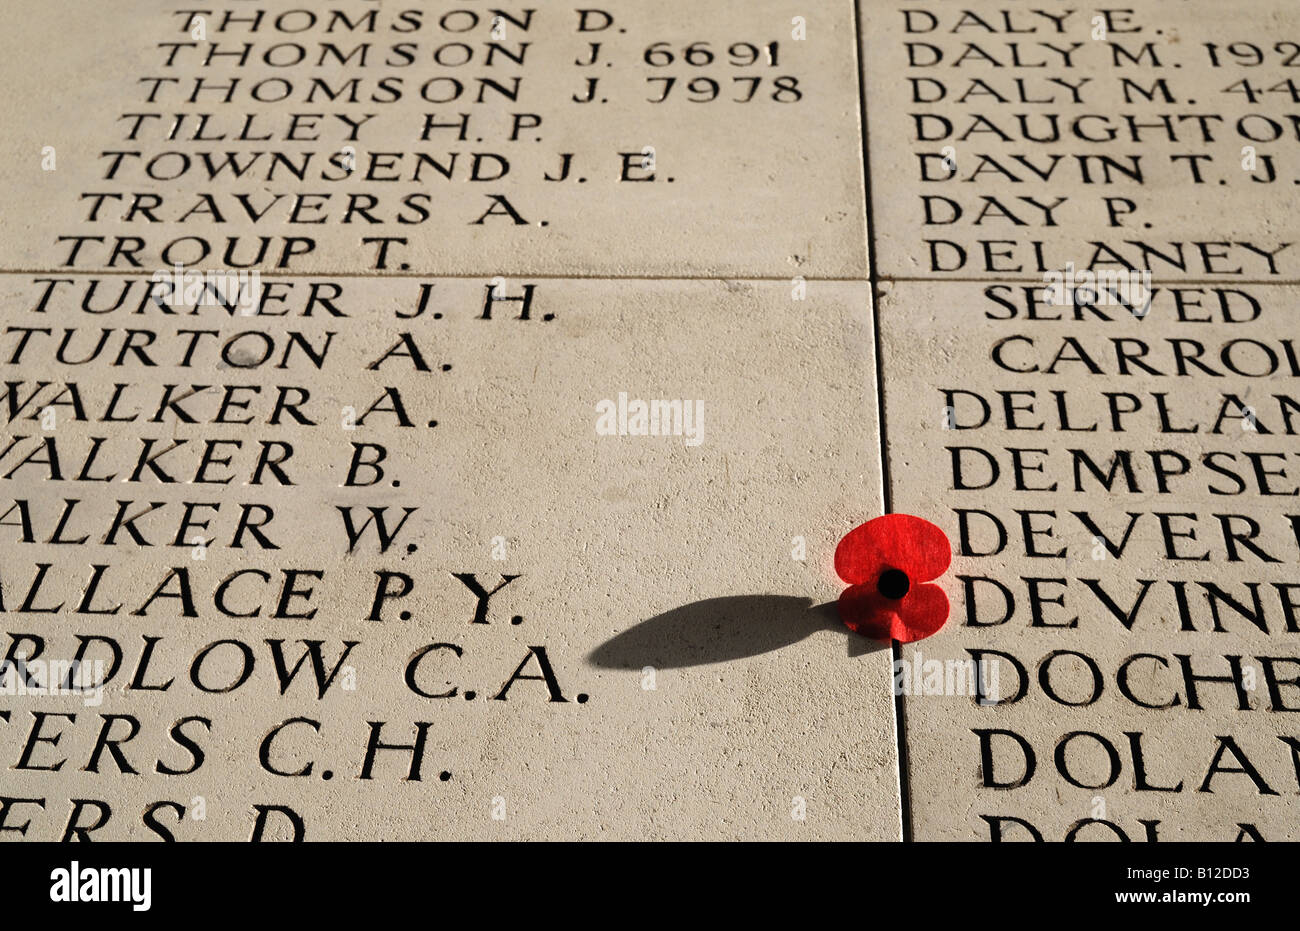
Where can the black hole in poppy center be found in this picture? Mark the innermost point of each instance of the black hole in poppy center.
(893, 583)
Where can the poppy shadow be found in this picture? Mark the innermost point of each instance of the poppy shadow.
(718, 630)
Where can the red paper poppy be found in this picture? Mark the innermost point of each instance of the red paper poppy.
(886, 561)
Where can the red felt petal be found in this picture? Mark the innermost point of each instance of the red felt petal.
(918, 615)
(867, 612)
(921, 613)
(893, 541)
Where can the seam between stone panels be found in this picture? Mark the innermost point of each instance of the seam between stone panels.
(452, 276)
(874, 280)
(1173, 281)
(864, 140)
